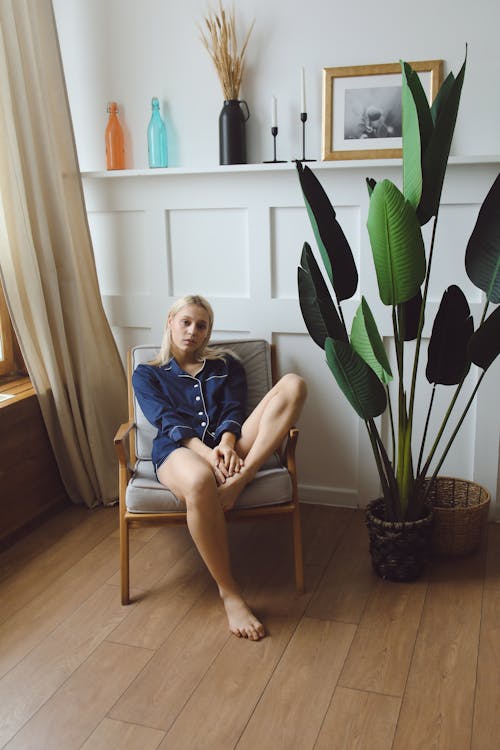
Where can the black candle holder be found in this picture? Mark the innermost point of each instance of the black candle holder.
(274, 132)
(303, 119)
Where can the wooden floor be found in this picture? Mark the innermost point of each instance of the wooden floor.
(354, 663)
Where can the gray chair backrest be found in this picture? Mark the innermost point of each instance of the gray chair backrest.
(254, 354)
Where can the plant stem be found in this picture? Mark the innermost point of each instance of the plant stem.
(448, 414)
(407, 477)
(455, 431)
(398, 460)
(380, 467)
(443, 426)
(397, 342)
(392, 498)
(393, 432)
(424, 436)
(484, 311)
(342, 319)
(421, 322)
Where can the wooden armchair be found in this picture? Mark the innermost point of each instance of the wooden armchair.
(144, 501)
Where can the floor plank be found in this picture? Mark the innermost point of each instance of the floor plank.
(41, 539)
(486, 727)
(358, 720)
(380, 656)
(48, 609)
(158, 694)
(492, 576)
(268, 546)
(154, 559)
(123, 736)
(309, 668)
(55, 659)
(165, 604)
(42, 568)
(439, 697)
(322, 530)
(349, 580)
(227, 694)
(61, 724)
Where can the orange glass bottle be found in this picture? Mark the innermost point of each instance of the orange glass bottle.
(115, 142)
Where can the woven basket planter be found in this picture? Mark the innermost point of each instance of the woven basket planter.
(460, 515)
(399, 549)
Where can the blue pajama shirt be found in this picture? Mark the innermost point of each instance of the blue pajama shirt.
(183, 406)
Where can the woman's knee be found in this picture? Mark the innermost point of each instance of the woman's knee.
(199, 485)
(190, 478)
(295, 386)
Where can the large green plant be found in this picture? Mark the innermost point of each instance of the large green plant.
(357, 358)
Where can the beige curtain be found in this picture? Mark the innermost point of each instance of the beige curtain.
(47, 261)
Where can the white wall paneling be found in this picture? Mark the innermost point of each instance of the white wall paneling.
(204, 240)
(235, 234)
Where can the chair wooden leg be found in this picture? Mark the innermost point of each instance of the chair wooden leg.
(297, 551)
(124, 561)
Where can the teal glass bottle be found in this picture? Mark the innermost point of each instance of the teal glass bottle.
(157, 137)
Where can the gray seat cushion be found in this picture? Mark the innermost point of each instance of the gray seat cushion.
(271, 486)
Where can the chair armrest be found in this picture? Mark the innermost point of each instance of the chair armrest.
(123, 431)
(120, 441)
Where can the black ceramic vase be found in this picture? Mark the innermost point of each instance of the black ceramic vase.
(232, 142)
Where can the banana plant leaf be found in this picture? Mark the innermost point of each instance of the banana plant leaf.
(370, 184)
(444, 112)
(447, 356)
(417, 131)
(332, 243)
(356, 379)
(397, 244)
(482, 257)
(367, 342)
(319, 313)
(409, 316)
(484, 345)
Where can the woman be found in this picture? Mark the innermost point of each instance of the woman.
(206, 450)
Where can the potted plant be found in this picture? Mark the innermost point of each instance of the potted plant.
(403, 266)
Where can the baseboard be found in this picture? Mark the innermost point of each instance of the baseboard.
(332, 496)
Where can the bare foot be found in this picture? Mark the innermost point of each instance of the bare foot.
(232, 488)
(242, 622)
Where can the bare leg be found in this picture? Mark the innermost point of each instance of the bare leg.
(191, 479)
(263, 432)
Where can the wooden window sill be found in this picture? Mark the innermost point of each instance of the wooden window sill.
(15, 389)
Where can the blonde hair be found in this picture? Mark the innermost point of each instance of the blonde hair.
(206, 351)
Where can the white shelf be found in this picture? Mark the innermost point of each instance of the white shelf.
(279, 167)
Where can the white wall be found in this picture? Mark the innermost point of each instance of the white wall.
(130, 50)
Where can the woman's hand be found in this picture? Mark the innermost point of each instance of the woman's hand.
(223, 459)
(227, 460)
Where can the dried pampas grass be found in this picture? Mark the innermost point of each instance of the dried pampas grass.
(222, 46)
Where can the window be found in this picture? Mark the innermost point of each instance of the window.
(11, 361)
(6, 339)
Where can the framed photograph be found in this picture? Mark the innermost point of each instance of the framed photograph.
(362, 108)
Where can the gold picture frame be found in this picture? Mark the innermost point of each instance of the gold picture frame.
(362, 108)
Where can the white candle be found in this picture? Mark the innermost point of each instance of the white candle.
(302, 91)
(274, 114)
